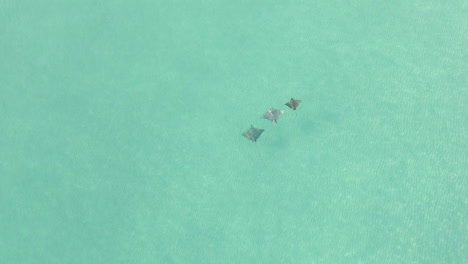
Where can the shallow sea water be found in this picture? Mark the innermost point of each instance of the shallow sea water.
(121, 132)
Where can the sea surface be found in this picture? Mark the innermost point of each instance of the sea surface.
(121, 123)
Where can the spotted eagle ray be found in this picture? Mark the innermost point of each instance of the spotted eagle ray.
(293, 103)
(253, 133)
(273, 114)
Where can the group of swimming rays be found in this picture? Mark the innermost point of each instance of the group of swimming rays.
(273, 115)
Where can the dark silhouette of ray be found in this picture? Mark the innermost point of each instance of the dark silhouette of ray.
(253, 133)
(293, 103)
(273, 114)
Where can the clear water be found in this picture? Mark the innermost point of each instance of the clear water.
(121, 128)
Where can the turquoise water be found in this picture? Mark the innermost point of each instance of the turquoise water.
(121, 132)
